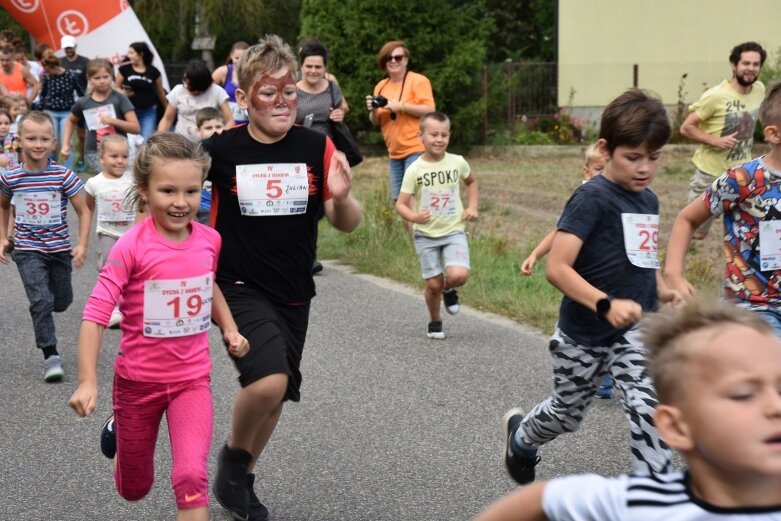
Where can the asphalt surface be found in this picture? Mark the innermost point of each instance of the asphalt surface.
(391, 426)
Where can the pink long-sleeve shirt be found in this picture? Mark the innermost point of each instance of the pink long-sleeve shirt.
(164, 287)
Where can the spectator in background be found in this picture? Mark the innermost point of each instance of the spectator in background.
(57, 93)
(142, 83)
(20, 55)
(15, 77)
(225, 77)
(76, 65)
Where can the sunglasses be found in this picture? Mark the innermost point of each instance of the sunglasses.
(396, 58)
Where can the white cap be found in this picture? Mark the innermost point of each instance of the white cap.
(67, 41)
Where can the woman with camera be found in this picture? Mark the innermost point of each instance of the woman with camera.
(396, 106)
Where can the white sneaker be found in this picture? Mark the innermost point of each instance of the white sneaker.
(116, 318)
(52, 369)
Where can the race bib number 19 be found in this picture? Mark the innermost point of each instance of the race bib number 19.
(38, 208)
(177, 307)
(272, 189)
(641, 236)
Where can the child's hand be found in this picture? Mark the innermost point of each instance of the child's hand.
(340, 180)
(528, 265)
(238, 346)
(84, 399)
(4, 248)
(671, 298)
(471, 214)
(681, 286)
(65, 151)
(623, 313)
(3, 161)
(422, 217)
(79, 255)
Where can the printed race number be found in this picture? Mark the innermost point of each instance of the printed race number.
(177, 307)
(38, 208)
(641, 237)
(440, 203)
(272, 189)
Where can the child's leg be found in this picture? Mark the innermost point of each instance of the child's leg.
(638, 398)
(576, 369)
(60, 284)
(105, 243)
(33, 269)
(138, 409)
(429, 252)
(455, 257)
(189, 416)
(433, 296)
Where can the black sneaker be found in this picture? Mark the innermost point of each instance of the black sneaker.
(108, 438)
(257, 511)
(519, 466)
(452, 304)
(317, 267)
(435, 329)
(230, 485)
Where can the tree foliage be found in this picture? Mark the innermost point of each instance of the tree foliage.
(524, 30)
(447, 42)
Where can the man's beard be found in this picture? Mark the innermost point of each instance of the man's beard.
(745, 83)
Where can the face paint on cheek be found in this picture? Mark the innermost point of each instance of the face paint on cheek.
(267, 106)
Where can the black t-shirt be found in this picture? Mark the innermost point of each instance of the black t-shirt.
(78, 68)
(271, 253)
(142, 84)
(593, 214)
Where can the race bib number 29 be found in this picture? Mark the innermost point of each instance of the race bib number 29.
(641, 237)
(272, 189)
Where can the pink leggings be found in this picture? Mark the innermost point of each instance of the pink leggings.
(138, 409)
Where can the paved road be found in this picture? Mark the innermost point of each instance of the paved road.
(392, 426)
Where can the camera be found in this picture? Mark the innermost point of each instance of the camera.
(379, 101)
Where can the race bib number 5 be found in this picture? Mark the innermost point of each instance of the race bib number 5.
(641, 237)
(272, 189)
(38, 208)
(177, 307)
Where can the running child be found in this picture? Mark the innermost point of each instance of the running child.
(9, 158)
(747, 197)
(719, 408)
(42, 251)
(161, 271)
(208, 120)
(604, 260)
(438, 219)
(107, 192)
(104, 110)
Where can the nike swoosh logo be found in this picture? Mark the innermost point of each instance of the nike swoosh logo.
(188, 498)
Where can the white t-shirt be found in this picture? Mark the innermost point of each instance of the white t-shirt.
(666, 497)
(114, 213)
(187, 106)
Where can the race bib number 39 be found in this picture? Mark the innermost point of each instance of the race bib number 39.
(641, 236)
(440, 203)
(111, 207)
(177, 307)
(38, 208)
(272, 189)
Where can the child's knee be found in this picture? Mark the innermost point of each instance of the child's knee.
(457, 276)
(435, 284)
(134, 491)
(62, 303)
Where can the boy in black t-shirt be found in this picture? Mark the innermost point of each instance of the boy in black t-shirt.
(604, 260)
(268, 181)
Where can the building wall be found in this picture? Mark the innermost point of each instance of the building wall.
(600, 40)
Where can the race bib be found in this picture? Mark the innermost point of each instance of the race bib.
(641, 236)
(442, 202)
(111, 207)
(770, 245)
(38, 208)
(272, 189)
(238, 113)
(92, 116)
(177, 307)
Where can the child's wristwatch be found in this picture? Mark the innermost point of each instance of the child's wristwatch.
(603, 307)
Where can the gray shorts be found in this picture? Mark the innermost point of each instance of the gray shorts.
(438, 253)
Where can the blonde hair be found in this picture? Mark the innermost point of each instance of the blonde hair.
(160, 148)
(268, 56)
(36, 116)
(672, 337)
(111, 138)
(96, 65)
(592, 153)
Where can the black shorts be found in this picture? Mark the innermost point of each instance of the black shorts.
(276, 335)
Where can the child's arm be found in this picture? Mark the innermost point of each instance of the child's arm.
(5, 211)
(85, 397)
(539, 251)
(404, 208)
(128, 123)
(525, 504)
(342, 210)
(666, 295)
(560, 273)
(79, 252)
(471, 213)
(688, 220)
(168, 118)
(227, 115)
(238, 346)
(65, 146)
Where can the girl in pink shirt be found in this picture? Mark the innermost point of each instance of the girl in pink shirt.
(161, 272)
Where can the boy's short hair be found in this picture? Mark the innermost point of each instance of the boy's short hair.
(634, 118)
(268, 56)
(738, 50)
(770, 109)
(672, 337)
(436, 116)
(36, 116)
(592, 153)
(207, 113)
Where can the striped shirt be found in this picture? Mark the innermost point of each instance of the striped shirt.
(29, 192)
(665, 497)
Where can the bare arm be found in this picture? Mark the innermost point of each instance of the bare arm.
(79, 252)
(525, 504)
(221, 314)
(416, 110)
(688, 220)
(33, 82)
(160, 92)
(471, 212)
(539, 251)
(168, 118)
(85, 398)
(5, 212)
(220, 75)
(690, 130)
(227, 115)
(341, 210)
(404, 208)
(129, 124)
(70, 124)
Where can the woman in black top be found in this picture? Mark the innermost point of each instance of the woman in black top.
(142, 83)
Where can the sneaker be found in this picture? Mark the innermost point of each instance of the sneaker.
(452, 304)
(80, 166)
(605, 390)
(317, 267)
(108, 438)
(256, 510)
(116, 318)
(52, 369)
(230, 485)
(435, 329)
(520, 466)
